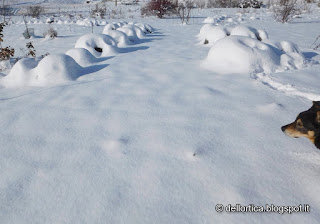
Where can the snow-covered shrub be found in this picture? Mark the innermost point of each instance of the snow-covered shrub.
(158, 8)
(209, 20)
(209, 33)
(50, 33)
(245, 55)
(139, 32)
(130, 32)
(50, 20)
(121, 38)
(52, 69)
(82, 56)
(98, 44)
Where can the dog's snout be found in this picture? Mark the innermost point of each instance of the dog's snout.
(283, 128)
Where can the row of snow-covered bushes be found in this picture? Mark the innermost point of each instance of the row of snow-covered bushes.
(246, 50)
(89, 49)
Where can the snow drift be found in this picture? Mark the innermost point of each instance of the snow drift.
(51, 70)
(239, 54)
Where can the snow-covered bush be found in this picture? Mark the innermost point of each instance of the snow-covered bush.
(51, 70)
(209, 33)
(50, 33)
(82, 56)
(121, 38)
(98, 44)
(245, 55)
(130, 32)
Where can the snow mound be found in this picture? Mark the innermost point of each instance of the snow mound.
(51, 70)
(98, 44)
(210, 33)
(150, 29)
(130, 32)
(121, 38)
(138, 31)
(248, 31)
(87, 22)
(109, 27)
(143, 27)
(82, 56)
(209, 20)
(245, 55)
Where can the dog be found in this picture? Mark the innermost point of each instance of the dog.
(307, 124)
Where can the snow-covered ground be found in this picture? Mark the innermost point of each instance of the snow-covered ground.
(149, 135)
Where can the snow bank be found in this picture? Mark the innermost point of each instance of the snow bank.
(98, 44)
(210, 33)
(239, 54)
(51, 70)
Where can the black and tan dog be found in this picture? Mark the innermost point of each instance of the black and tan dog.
(307, 124)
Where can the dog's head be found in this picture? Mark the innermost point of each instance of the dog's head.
(307, 124)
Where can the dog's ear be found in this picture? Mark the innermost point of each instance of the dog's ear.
(318, 117)
(316, 105)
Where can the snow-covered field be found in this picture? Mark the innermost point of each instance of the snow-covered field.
(148, 133)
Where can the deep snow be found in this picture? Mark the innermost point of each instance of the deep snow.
(149, 136)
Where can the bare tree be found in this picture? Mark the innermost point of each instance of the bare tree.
(35, 11)
(183, 10)
(316, 43)
(285, 10)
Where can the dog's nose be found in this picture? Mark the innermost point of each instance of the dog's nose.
(283, 128)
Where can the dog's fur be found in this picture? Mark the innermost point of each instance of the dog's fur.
(307, 124)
